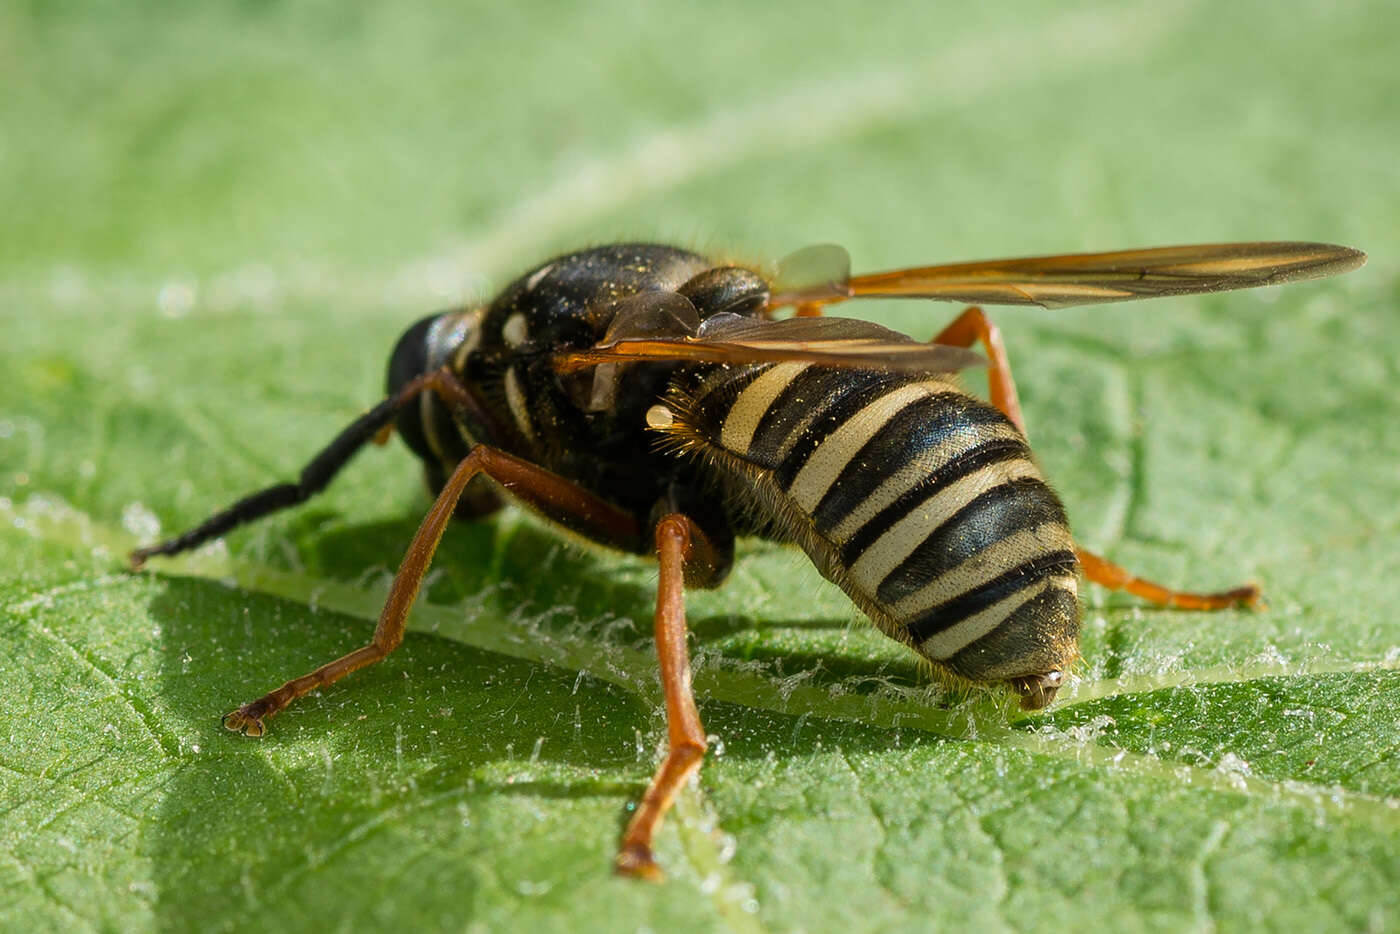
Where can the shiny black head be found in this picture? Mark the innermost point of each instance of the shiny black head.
(410, 356)
(410, 360)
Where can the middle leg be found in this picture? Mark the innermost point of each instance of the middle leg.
(528, 482)
(678, 542)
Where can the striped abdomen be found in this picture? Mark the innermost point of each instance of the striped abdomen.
(918, 500)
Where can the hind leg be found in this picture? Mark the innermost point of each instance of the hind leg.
(972, 327)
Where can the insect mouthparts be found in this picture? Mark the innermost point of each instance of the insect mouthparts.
(1038, 691)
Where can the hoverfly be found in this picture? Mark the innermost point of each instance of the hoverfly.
(648, 398)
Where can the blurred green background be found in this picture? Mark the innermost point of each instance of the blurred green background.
(218, 217)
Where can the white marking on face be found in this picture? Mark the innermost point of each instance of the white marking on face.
(515, 399)
(426, 410)
(536, 276)
(471, 321)
(515, 331)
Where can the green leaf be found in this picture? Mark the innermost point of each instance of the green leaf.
(217, 221)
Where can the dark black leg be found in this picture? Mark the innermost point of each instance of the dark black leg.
(317, 474)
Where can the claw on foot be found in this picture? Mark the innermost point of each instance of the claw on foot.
(635, 861)
(1249, 595)
(244, 720)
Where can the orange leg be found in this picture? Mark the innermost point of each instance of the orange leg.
(532, 484)
(972, 326)
(1107, 574)
(675, 535)
(967, 329)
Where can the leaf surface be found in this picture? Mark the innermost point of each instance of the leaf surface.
(219, 220)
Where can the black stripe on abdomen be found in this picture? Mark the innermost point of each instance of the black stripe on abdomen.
(997, 514)
(1023, 576)
(845, 399)
(929, 434)
(993, 452)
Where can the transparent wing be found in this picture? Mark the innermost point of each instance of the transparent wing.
(1077, 278)
(726, 338)
(652, 314)
(822, 268)
(645, 315)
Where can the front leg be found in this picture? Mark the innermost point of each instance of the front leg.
(534, 485)
(373, 426)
